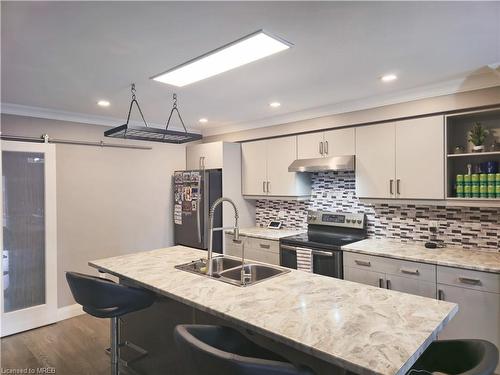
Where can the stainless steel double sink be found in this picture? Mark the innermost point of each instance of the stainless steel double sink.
(229, 270)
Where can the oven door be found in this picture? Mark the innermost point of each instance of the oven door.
(327, 263)
(288, 256)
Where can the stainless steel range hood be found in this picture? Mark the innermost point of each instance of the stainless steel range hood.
(332, 163)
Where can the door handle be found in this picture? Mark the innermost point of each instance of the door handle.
(326, 147)
(398, 183)
(263, 186)
(391, 186)
(362, 263)
(410, 271)
(468, 280)
(388, 284)
(290, 248)
(380, 283)
(440, 295)
(268, 186)
(321, 148)
(265, 246)
(324, 253)
(198, 218)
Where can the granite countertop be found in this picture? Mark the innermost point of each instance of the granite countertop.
(266, 233)
(487, 261)
(364, 329)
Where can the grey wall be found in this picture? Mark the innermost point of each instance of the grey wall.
(109, 201)
(434, 105)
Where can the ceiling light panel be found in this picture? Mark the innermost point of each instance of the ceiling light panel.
(243, 51)
(389, 77)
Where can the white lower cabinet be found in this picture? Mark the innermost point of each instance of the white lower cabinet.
(478, 297)
(260, 250)
(364, 277)
(401, 275)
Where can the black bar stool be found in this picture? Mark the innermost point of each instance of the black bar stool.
(215, 350)
(458, 357)
(104, 298)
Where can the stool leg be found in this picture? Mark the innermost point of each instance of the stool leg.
(115, 346)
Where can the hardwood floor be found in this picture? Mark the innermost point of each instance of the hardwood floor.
(72, 347)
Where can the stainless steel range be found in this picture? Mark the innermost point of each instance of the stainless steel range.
(326, 233)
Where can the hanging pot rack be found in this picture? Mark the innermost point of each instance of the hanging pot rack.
(148, 133)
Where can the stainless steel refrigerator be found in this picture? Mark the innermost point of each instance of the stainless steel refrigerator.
(194, 193)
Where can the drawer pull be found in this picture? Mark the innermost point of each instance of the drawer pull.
(237, 241)
(265, 246)
(468, 280)
(410, 271)
(362, 263)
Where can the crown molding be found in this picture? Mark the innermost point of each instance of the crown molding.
(83, 118)
(443, 88)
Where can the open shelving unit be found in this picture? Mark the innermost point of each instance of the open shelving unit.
(457, 128)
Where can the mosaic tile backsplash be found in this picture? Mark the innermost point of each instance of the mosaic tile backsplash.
(467, 227)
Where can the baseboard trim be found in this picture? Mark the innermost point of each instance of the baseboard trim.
(69, 311)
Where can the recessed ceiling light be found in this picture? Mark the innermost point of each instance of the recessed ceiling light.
(240, 52)
(274, 104)
(103, 103)
(203, 120)
(389, 77)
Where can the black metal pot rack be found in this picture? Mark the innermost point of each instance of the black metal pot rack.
(147, 133)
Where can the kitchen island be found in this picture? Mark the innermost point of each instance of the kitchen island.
(351, 326)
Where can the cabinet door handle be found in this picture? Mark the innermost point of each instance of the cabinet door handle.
(388, 284)
(440, 295)
(362, 263)
(326, 147)
(321, 148)
(265, 246)
(391, 186)
(380, 283)
(263, 186)
(268, 186)
(409, 271)
(398, 183)
(468, 280)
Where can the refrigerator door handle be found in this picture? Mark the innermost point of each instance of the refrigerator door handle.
(198, 220)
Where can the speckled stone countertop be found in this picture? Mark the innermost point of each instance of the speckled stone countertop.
(365, 329)
(487, 261)
(268, 234)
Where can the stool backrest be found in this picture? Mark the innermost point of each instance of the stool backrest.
(210, 350)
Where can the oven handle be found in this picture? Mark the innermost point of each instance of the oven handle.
(324, 253)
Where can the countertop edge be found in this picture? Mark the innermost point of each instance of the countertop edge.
(437, 262)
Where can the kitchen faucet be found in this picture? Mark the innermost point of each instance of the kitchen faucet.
(211, 229)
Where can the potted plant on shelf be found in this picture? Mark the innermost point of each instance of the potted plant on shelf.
(477, 135)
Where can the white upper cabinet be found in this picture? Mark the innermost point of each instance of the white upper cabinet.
(265, 169)
(335, 142)
(254, 168)
(420, 158)
(403, 159)
(340, 142)
(204, 155)
(375, 161)
(309, 146)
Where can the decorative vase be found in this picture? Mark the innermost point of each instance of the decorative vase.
(478, 148)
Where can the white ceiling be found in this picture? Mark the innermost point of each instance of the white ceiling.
(67, 55)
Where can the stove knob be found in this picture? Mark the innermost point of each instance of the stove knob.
(359, 221)
(347, 220)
